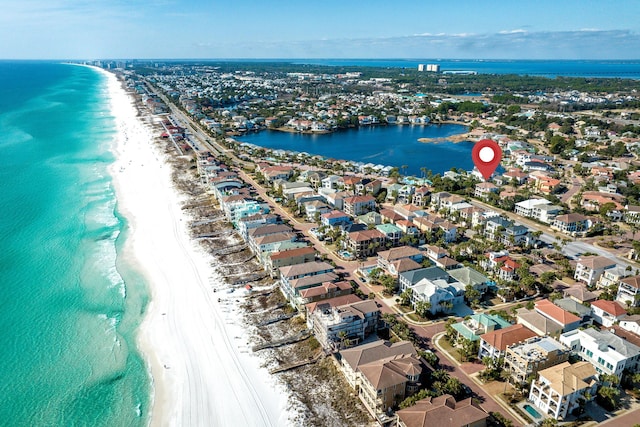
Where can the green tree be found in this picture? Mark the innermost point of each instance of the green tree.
(472, 295)
(405, 297)
(423, 308)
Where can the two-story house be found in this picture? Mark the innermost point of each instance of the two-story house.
(607, 313)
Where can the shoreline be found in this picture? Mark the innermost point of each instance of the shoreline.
(189, 341)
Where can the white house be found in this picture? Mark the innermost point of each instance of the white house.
(589, 269)
(607, 313)
(558, 389)
(607, 352)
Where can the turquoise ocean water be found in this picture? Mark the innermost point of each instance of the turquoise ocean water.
(69, 304)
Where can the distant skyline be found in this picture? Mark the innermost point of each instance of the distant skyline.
(490, 29)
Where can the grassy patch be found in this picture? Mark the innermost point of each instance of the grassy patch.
(446, 346)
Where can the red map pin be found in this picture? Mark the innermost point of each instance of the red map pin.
(486, 155)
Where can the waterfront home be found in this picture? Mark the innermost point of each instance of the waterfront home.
(292, 288)
(325, 291)
(364, 243)
(494, 344)
(358, 205)
(479, 324)
(571, 223)
(607, 352)
(238, 207)
(559, 389)
(525, 359)
(268, 229)
(298, 271)
(607, 313)
(589, 269)
(258, 220)
(274, 242)
(336, 301)
(628, 291)
(275, 260)
(442, 411)
(334, 325)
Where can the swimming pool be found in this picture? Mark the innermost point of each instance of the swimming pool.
(531, 411)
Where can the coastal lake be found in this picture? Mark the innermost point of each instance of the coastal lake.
(395, 145)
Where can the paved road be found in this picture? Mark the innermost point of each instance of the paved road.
(347, 268)
(572, 249)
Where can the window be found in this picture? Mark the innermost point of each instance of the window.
(600, 361)
(609, 366)
(589, 353)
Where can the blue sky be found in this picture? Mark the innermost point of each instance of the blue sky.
(515, 29)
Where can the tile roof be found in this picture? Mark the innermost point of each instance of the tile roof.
(332, 302)
(502, 338)
(399, 253)
(305, 268)
(292, 253)
(566, 378)
(612, 307)
(555, 313)
(632, 281)
(442, 411)
(596, 262)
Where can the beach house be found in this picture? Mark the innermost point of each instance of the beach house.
(558, 389)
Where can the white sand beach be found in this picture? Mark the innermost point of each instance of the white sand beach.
(195, 346)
